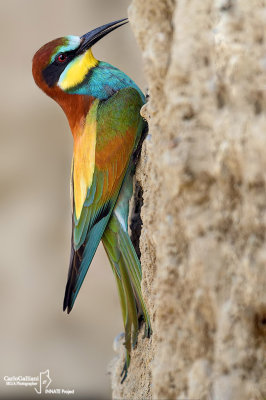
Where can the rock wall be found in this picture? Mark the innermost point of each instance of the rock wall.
(203, 174)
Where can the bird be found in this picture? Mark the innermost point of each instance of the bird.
(102, 105)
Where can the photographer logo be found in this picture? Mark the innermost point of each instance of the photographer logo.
(41, 383)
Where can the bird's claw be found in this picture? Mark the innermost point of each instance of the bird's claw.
(123, 374)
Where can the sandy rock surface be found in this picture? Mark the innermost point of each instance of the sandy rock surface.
(203, 173)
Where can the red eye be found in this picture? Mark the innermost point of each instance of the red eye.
(61, 58)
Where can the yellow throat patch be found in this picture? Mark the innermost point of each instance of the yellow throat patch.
(84, 159)
(76, 71)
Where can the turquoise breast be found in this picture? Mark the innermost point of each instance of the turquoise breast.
(103, 81)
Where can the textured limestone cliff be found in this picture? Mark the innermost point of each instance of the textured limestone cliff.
(203, 174)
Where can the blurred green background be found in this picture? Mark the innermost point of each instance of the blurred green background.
(35, 158)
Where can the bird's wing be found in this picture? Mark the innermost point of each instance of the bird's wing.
(114, 128)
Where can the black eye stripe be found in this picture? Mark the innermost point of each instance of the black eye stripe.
(52, 72)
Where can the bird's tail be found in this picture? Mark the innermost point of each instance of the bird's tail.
(127, 271)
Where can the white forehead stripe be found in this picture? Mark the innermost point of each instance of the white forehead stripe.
(73, 43)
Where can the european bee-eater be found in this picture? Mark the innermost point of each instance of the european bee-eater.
(102, 105)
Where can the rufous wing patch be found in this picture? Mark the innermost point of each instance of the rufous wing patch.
(84, 159)
(113, 157)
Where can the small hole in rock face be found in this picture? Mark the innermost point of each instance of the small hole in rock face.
(206, 61)
(221, 97)
(260, 321)
(226, 6)
(259, 39)
(257, 106)
(188, 114)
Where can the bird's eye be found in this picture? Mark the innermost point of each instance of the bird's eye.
(61, 58)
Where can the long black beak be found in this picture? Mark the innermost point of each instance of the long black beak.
(92, 37)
